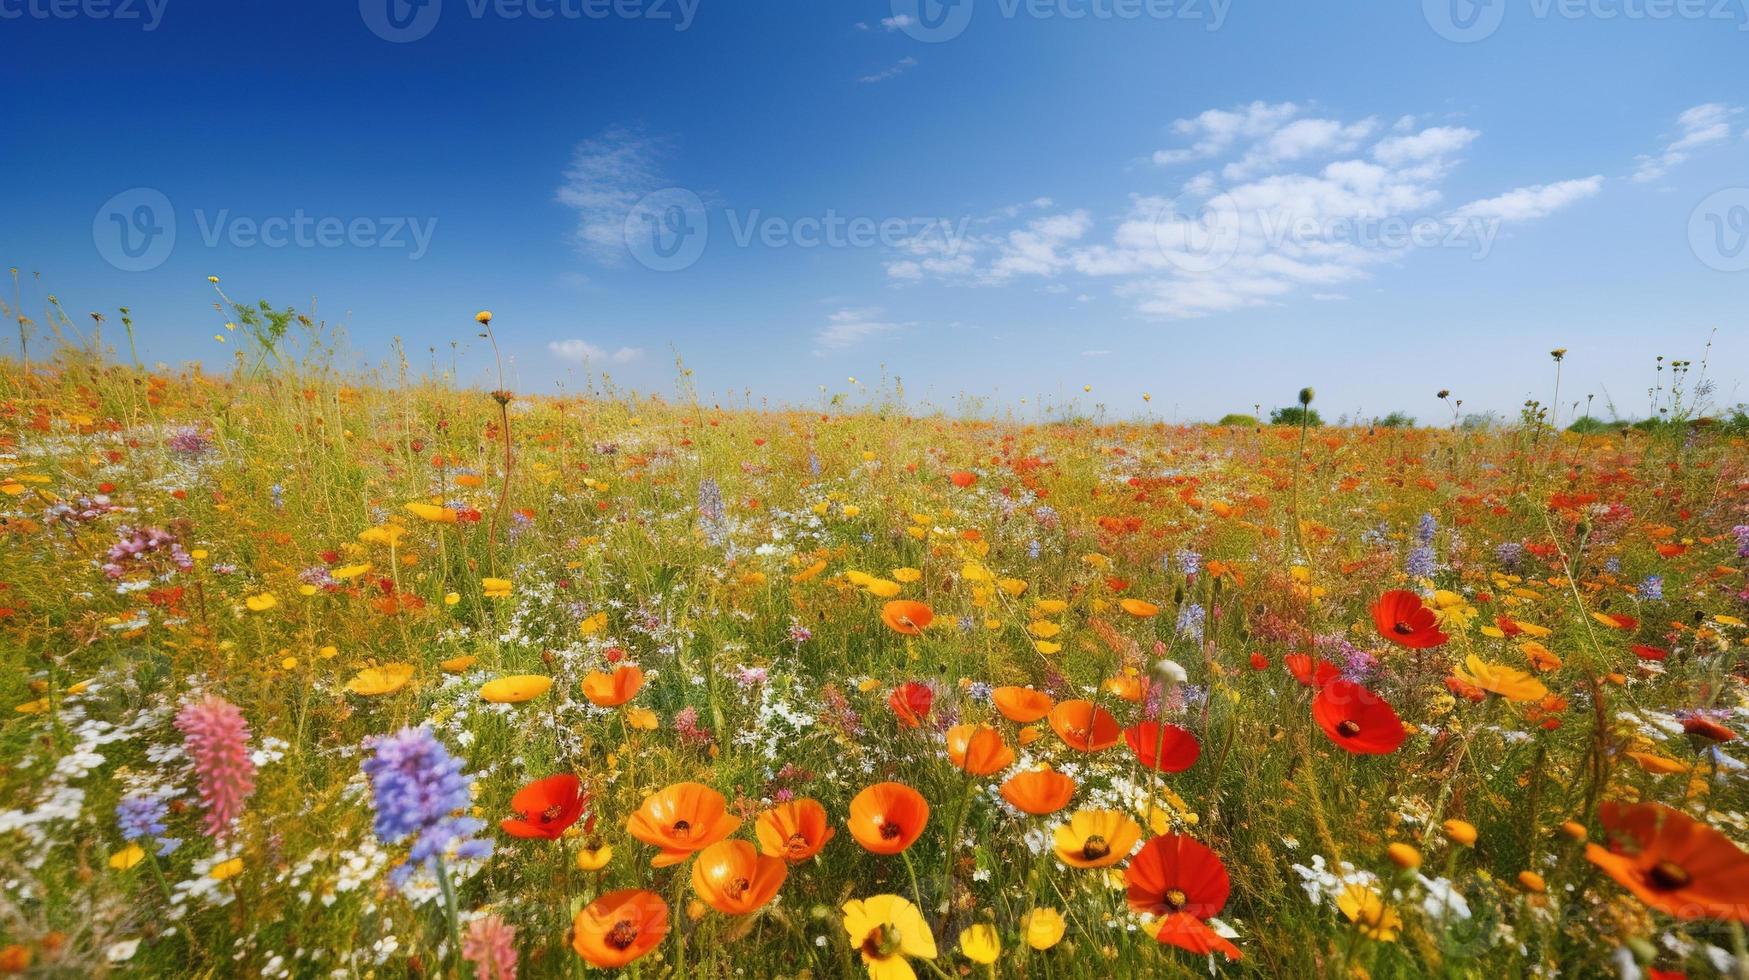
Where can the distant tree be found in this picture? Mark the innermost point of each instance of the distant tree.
(1397, 420)
(1294, 415)
(1237, 418)
(1588, 425)
(1479, 421)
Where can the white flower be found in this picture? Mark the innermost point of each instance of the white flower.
(1171, 672)
(121, 952)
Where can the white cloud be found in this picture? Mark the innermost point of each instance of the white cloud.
(606, 178)
(1303, 205)
(1096, 353)
(1700, 126)
(886, 73)
(1529, 203)
(898, 22)
(847, 328)
(584, 352)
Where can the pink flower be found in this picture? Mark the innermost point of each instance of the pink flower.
(490, 946)
(217, 739)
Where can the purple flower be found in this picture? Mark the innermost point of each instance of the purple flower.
(190, 442)
(1651, 588)
(141, 816)
(418, 788)
(1421, 563)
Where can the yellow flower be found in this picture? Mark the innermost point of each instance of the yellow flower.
(127, 857)
(345, 572)
(457, 665)
(973, 572)
(1012, 586)
(1049, 607)
(483, 317)
(496, 588)
(1139, 608)
(225, 870)
(516, 689)
(260, 603)
(1096, 838)
(37, 707)
(1044, 629)
(1508, 682)
(1366, 910)
(388, 534)
(907, 575)
(386, 679)
(451, 598)
(593, 625)
(886, 930)
(594, 859)
(980, 943)
(1043, 928)
(1047, 647)
(1657, 765)
(1404, 856)
(643, 719)
(432, 513)
(882, 588)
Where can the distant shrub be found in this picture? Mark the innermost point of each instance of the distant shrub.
(1294, 415)
(1587, 425)
(1237, 418)
(1397, 420)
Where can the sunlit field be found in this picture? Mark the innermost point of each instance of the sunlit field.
(318, 673)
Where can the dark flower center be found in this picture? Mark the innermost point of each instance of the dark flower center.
(622, 935)
(1348, 727)
(797, 843)
(881, 942)
(1095, 848)
(1176, 900)
(1402, 629)
(1668, 876)
(552, 813)
(889, 830)
(682, 828)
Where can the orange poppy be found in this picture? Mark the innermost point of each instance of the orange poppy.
(911, 702)
(907, 616)
(615, 689)
(1038, 791)
(546, 807)
(794, 831)
(962, 479)
(681, 819)
(1022, 705)
(978, 750)
(735, 879)
(619, 927)
(1085, 726)
(886, 818)
(1673, 863)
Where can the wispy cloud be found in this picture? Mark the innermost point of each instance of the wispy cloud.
(848, 328)
(607, 176)
(897, 68)
(1700, 126)
(584, 352)
(1292, 202)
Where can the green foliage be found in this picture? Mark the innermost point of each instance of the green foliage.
(1396, 420)
(1238, 418)
(1295, 415)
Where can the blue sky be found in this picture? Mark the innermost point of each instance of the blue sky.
(1213, 202)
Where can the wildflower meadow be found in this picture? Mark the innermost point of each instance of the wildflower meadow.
(314, 672)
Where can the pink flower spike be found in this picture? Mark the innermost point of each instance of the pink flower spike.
(217, 740)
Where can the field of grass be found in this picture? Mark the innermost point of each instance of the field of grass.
(283, 648)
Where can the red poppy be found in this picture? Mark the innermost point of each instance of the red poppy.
(1357, 719)
(1507, 626)
(1405, 620)
(1464, 689)
(962, 479)
(1312, 673)
(1645, 652)
(911, 702)
(1184, 883)
(1167, 748)
(1259, 662)
(1673, 862)
(546, 807)
(1704, 727)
